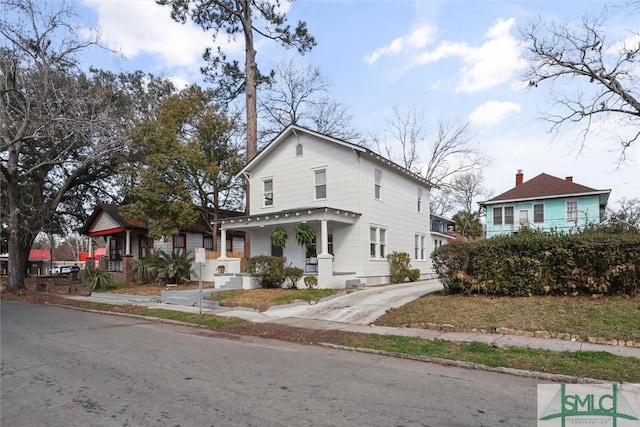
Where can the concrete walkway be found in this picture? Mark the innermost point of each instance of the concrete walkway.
(356, 312)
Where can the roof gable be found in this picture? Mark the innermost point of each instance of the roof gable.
(545, 186)
(294, 130)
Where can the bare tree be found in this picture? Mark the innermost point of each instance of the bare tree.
(449, 153)
(563, 53)
(465, 187)
(406, 129)
(58, 134)
(300, 95)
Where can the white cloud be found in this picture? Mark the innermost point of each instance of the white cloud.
(492, 113)
(494, 62)
(417, 39)
(142, 27)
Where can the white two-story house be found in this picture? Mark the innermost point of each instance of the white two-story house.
(361, 206)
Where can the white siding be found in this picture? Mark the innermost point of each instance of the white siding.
(293, 176)
(397, 211)
(350, 186)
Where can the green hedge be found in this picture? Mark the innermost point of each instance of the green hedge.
(534, 263)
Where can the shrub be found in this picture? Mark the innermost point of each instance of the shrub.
(311, 282)
(414, 274)
(292, 275)
(539, 263)
(269, 268)
(400, 266)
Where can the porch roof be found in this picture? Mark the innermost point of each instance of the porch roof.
(288, 217)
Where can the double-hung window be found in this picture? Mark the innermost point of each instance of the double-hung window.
(508, 215)
(497, 216)
(267, 185)
(572, 210)
(320, 184)
(377, 188)
(378, 243)
(538, 212)
(207, 242)
(145, 244)
(420, 247)
(179, 243)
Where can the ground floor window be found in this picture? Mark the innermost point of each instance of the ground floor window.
(420, 246)
(378, 242)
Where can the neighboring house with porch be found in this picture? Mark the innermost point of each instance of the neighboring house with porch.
(39, 263)
(545, 203)
(442, 230)
(127, 238)
(360, 205)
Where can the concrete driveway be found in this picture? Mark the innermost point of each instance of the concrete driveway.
(362, 307)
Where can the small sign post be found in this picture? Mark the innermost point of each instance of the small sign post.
(200, 259)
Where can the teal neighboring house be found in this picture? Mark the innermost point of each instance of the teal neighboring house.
(545, 203)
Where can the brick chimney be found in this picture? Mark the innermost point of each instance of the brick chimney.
(519, 177)
(569, 179)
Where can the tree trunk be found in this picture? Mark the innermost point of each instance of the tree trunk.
(252, 115)
(19, 247)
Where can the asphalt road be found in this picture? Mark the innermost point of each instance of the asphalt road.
(62, 367)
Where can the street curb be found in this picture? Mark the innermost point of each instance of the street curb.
(428, 359)
(471, 365)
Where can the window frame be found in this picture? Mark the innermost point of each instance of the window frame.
(317, 186)
(207, 238)
(536, 219)
(495, 217)
(504, 215)
(377, 184)
(419, 199)
(176, 238)
(144, 246)
(571, 215)
(267, 196)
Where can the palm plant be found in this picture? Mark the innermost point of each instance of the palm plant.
(171, 266)
(468, 224)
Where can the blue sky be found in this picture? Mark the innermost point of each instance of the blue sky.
(458, 60)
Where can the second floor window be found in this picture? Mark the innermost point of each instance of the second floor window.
(419, 199)
(268, 192)
(320, 184)
(377, 189)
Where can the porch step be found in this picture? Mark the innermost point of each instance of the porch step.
(234, 282)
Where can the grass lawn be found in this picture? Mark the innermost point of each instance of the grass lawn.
(604, 317)
(588, 364)
(262, 299)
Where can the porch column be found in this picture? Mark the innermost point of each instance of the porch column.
(223, 243)
(127, 243)
(90, 248)
(107, 252)
(324, 237)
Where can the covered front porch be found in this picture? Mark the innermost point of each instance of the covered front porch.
(333, 256)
